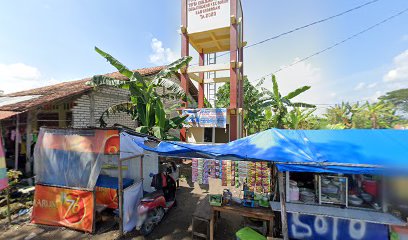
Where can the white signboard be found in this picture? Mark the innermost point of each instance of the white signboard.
(205, 15)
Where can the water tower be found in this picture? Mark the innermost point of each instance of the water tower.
(214, 27)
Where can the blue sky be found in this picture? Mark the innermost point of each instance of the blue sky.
(47, 41)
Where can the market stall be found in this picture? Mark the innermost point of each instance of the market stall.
(80, 172)
(342, 176)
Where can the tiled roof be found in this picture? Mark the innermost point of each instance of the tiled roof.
(7, 114)
(68, 89)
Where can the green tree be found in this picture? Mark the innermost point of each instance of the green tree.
(375, 115)
(253, 104)
(399, 98)
(145, 105)
(278, 105)
(344, 116)
(381, 115)
(298, 118)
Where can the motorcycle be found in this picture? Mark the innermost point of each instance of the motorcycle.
(155, 205)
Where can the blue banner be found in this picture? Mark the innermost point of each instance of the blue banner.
(322, 227)
(206, 117)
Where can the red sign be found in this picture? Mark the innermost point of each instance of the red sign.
(107, 197)
(63, 207)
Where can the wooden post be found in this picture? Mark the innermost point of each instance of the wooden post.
(282, 199)
(141, 168)
(16, 147)
(29, 134)
(233, 74)
(184, 52)
(8, 204)
(384, 195)
(212, 220)
(120, 179)
(287, 181)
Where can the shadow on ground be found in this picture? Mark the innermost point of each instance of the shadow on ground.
(176, 225)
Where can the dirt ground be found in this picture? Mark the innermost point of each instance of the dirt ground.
(176, 225)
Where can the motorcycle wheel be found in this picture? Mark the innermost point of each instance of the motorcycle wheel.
(147, 227)
(149, 223)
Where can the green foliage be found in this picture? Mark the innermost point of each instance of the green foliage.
(399, 98)
(278, 106)
(145, 105)
(376, 115)
(298, 118)
(13, 176)
(267, 109)
(253, 103)
(342, 114)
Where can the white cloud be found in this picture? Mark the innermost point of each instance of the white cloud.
(372, 85)
(305, 74)
(19, 76)
(161, 55)
(374, 97)
(19, 71)
(360, 86)
(400, 70)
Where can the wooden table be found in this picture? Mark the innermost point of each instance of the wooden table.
(265, 214)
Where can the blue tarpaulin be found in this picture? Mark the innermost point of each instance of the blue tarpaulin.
(336, 151)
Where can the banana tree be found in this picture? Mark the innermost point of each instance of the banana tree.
(381, 114)
(253, 104)
(345, 114)
(145, 105)
(278, 105)
(297, 118)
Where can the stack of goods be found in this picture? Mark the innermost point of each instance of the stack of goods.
(233, 173)
(257, 175)
(194, 169)
(251, 180)
(218, 168)
(206, 171)
(200, 170)
(226, 173)
(212, 168)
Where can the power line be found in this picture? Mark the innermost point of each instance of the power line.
(336, 44)
(307, 25)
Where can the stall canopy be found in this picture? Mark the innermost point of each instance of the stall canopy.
(334, 151)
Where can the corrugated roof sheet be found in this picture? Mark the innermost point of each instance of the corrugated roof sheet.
(6, 100)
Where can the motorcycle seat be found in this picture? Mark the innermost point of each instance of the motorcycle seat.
(151, 196)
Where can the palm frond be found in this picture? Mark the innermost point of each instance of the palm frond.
(114, 62)
(126, 107)
(163, 78)
(297, 92)
(260, 83)
(275, 87)
(304, 105)
(100, 80)
(174, 67)
(132, 75)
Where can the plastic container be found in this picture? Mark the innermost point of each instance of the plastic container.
(371, 187)
(215, 199)
(248, 233)
(293, 193)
